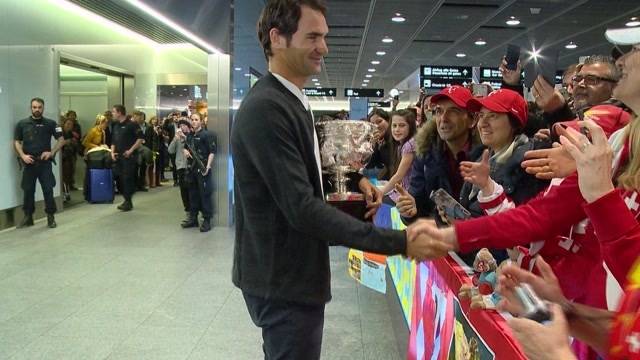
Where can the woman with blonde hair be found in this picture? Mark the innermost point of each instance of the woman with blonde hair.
(96, 136)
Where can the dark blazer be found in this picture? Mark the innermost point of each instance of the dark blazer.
(282, 223)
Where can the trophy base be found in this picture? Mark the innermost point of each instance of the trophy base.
(353, 204)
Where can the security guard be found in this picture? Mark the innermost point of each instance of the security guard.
(203, 145)
(32, 141)
(127, 138)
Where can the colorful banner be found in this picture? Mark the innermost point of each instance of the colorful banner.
(467, 344)
(368, 269)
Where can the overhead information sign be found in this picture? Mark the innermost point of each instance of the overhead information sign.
(372, 93)
(438, 77)
(384, 104)
(320, 92)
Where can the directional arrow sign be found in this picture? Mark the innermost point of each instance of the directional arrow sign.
(369, 93)
(319, 92)
(436, 77)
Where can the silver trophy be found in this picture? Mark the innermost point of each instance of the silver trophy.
(345, 147)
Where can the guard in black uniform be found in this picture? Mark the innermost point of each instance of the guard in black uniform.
(200, 148)
(127, 138)
(32, 141)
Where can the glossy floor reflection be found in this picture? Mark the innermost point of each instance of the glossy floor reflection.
(112, 285)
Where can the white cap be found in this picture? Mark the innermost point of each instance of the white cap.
(624, 36)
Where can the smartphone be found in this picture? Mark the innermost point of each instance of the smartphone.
(534, 308)
(529, 74)
(546, 65)
(512, 56)
(479, 90)
(452, 209)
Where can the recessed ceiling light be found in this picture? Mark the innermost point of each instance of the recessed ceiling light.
(238, 69)
(368, 76)
(364, 85)
(535, 10)
(480, 42)
(634, 22)
(318, 87)
(461, 55)
(375, 62)
(462, 17)
(387, 40)
(314, 80)
(381, 53)
(366, 80)
(513, 21)
(247, 75)
(371, 70)
(571, 45)
(398, 18)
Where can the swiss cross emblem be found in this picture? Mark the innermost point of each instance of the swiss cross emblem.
(633, 340)
(632, 202)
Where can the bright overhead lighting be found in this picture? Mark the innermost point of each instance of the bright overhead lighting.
(186, 33)
(375, 62)
(371, 70)
(247, 75)
(461, 55)
(535, 53)
(314, 80)
(238, 69)
(366, 80)
(381, 53)
(634, 22)
(398, 18)
(480, 42)
(318, 87)
(364, 85)
(571, 45)
(387, 40)
(513, 21)
(368, 76)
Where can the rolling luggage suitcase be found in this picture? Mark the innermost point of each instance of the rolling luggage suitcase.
(100, 186)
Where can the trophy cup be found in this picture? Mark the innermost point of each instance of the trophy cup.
(345, 147)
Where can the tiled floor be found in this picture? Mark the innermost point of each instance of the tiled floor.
(111, 285)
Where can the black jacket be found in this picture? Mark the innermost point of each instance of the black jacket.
(282, 223)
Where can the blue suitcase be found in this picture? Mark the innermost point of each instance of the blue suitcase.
(100, 186)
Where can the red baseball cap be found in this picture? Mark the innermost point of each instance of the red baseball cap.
(460, 95)
(503, 101)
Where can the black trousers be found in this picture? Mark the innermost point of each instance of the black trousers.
(41, 171)
(184, 189)
(200, 190)
(174, 171)
(125, 169)
(289, 330)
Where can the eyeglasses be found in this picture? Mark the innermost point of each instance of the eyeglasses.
(590, 80)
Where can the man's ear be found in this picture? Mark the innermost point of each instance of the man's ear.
(277, 41)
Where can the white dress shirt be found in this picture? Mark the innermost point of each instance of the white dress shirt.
(305, 102)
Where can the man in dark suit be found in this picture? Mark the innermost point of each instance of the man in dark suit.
(283, 226)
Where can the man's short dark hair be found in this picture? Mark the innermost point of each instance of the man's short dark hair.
(38, 100)
(120, 109)
(283, 15)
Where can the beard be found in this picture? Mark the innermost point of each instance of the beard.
(36, 114)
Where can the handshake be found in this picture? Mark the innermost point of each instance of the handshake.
(426, 242)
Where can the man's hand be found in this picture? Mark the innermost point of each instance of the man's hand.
(593, 159)
(46, 155)
(186, 153)
(114, 155)
(510, 77)
(542, 135)
(544, 342)
(206, 171)
(551, 163)
(477, 173)
(546, 286)
(372, 195)
(405, 204)
(27, 159)
(547, 98)
(426, 244)
(440, 239)
(128, 153)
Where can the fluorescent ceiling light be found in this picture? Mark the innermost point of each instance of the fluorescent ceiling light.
(238, 69)
(364, 85)
(480, 42)
(381, 53)
(371, 70)
(398, 18)
(375, 62)
(314, 80)
(366, 80)
(461, 55)
(571, 46)
(247, 75)
(387, 40)
(634, 22)
(188, 34)
(513, 21)
(368, 76)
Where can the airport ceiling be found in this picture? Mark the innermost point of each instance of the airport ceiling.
(434, 32)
